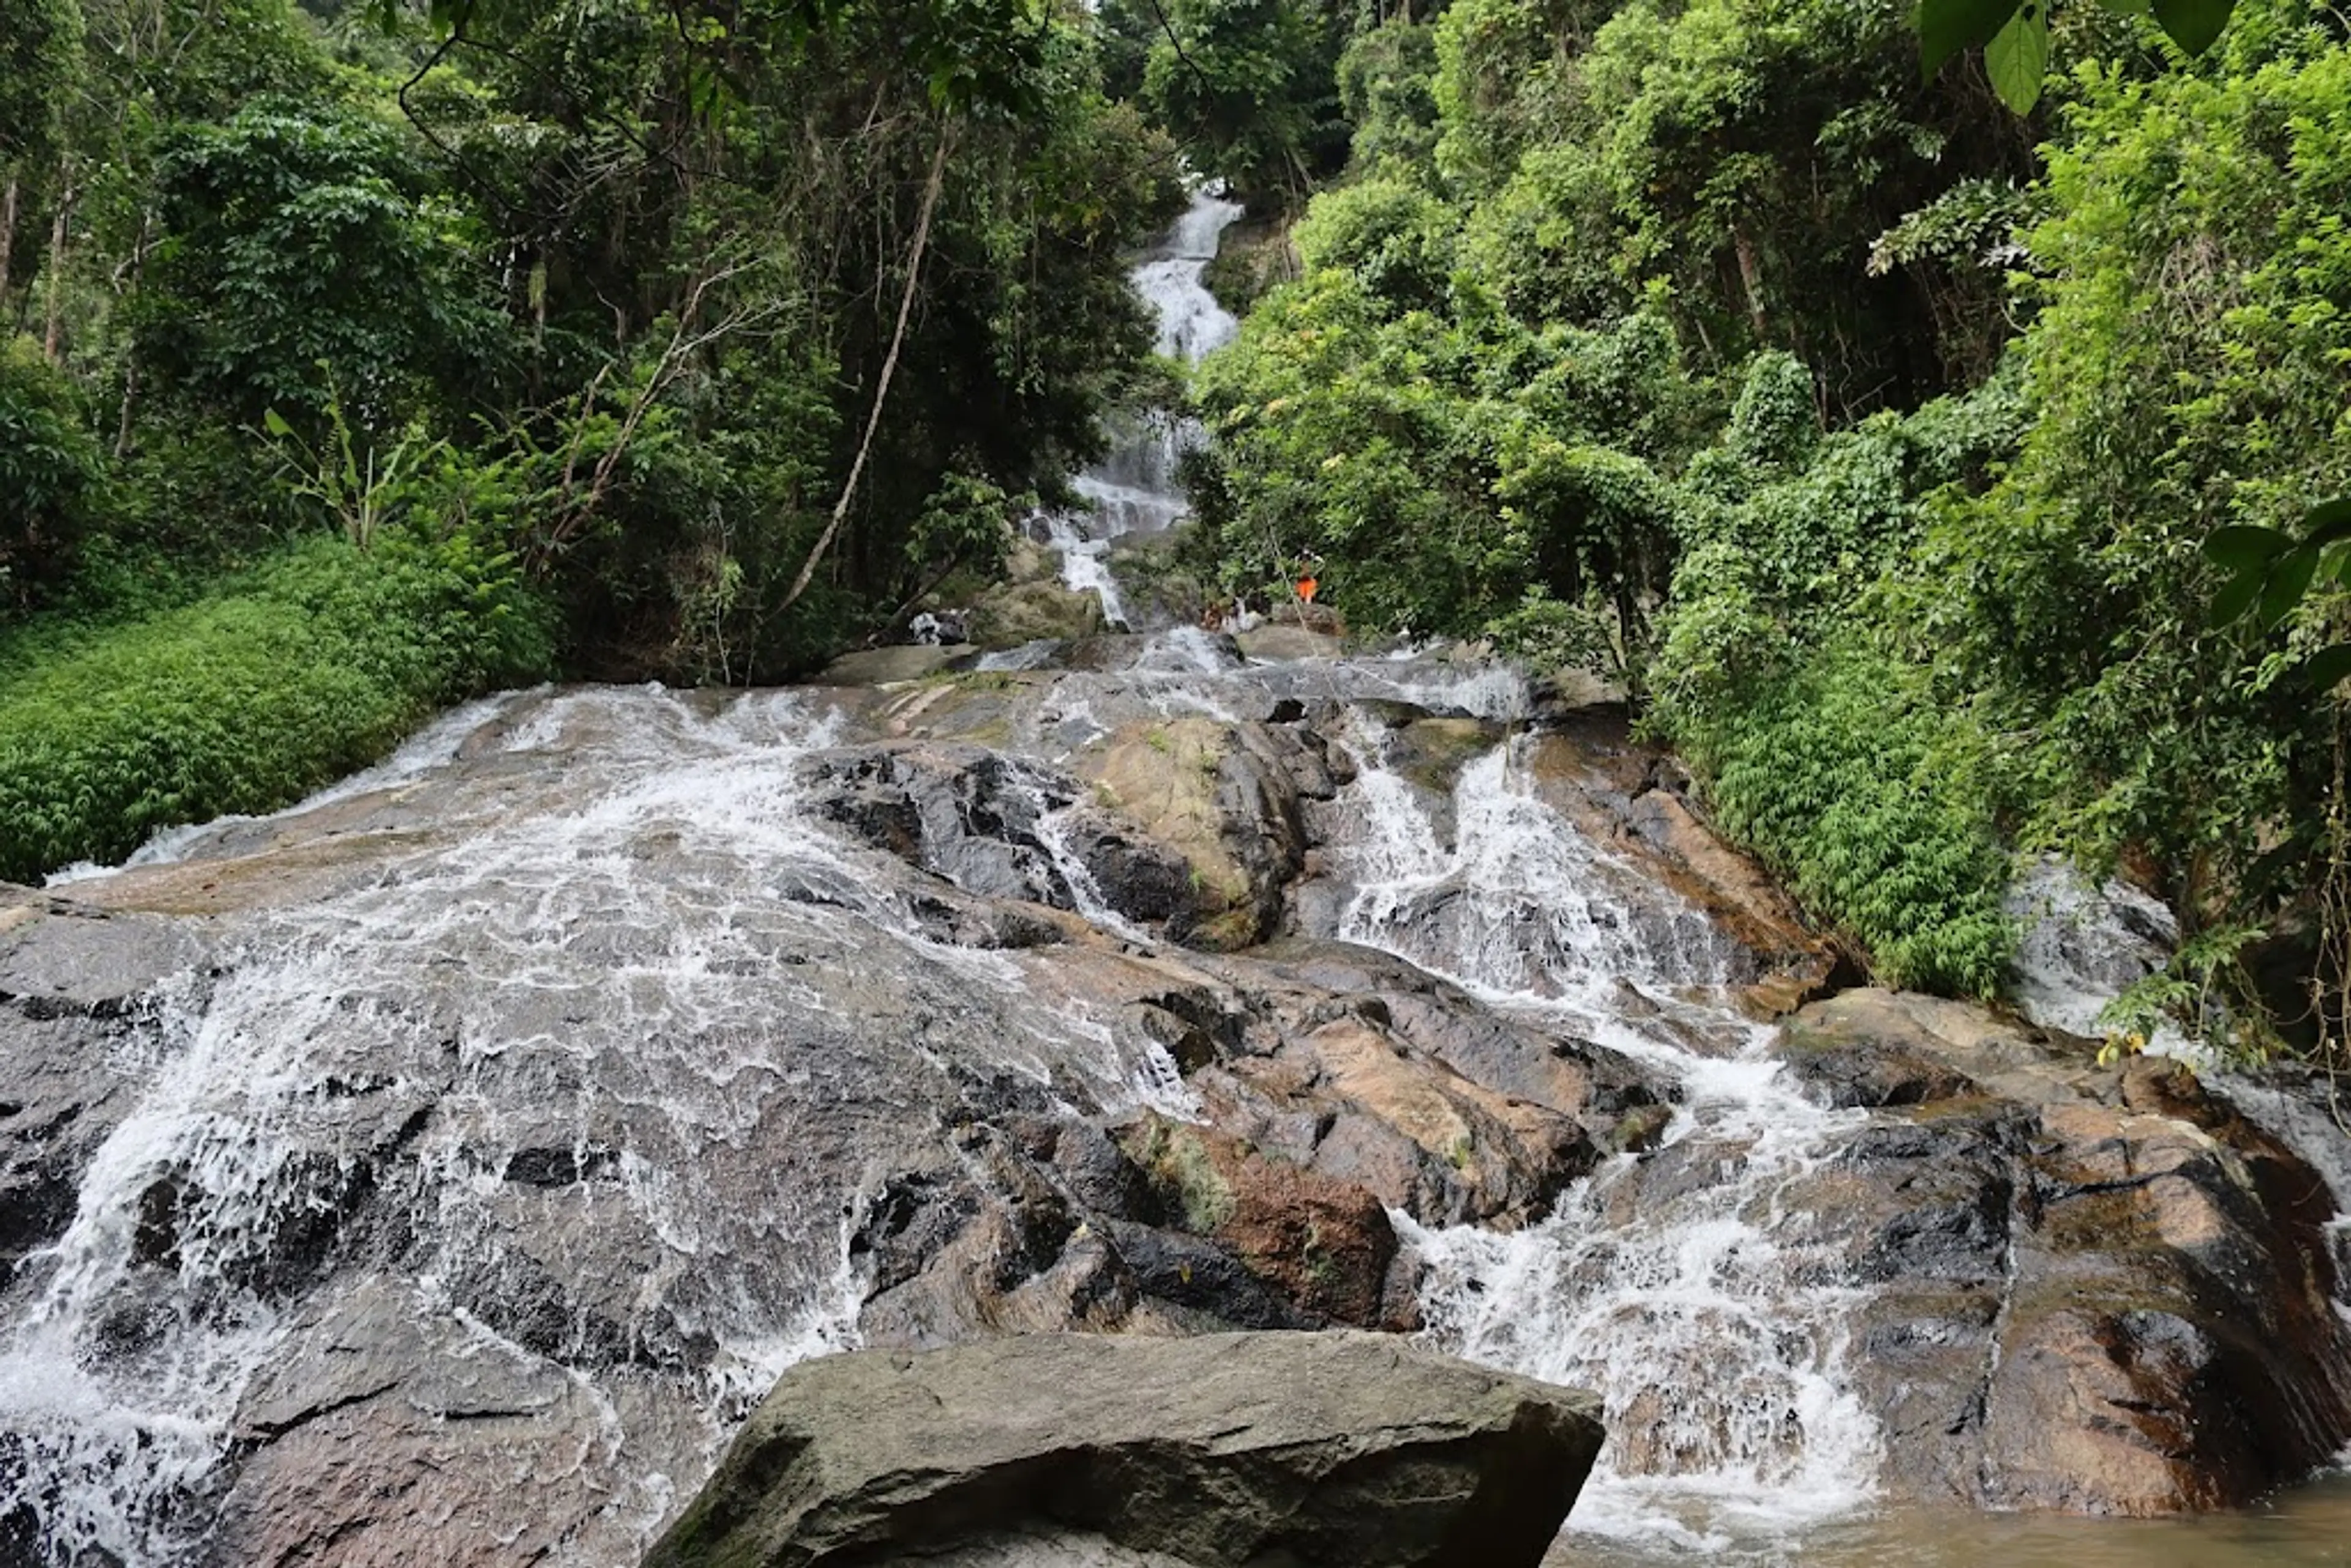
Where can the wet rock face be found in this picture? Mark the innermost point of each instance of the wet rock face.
(2099, 1290)
(550, 1096)
(1214, 1452)
(1638, 801)
(74, 983)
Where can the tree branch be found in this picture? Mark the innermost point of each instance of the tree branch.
(889, 369)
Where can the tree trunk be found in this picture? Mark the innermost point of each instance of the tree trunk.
(52, 338)
(127, 281)
(889, 368)
(129, 397)
(7, 233)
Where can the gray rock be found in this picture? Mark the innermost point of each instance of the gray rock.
(1341, 1449)
(1274, 640)
(887, 666)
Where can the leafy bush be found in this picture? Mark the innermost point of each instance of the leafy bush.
(1867, 796)
(245, 701)
(305, 245)
(2188, 369)
(1395, 237)
(1822, 750)
(48, 466)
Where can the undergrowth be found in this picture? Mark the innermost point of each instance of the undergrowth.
(311, 665)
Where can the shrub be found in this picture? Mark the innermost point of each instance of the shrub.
(1867, 797)
(244, 702)
(48, 466)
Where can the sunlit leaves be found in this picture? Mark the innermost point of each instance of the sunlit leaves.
(2017, 58)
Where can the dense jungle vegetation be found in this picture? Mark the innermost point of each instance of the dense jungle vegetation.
(1947, 483)
(1893, 448)
(353, 357)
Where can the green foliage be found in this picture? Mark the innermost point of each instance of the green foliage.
(40, 45)
(1394, 236)
(2197, 988)
(2189, 372)
(1388, 90)
(49, 470)
(1249, 88)
(1731, 151)
(1865, 795)
(305, 251)
(965, 523)
(2014, 36)
(1441, 471)
(247, 701)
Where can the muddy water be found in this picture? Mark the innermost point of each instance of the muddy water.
(2304, 1527)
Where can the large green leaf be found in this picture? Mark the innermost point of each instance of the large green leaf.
(2194, 24)
(2236, 595)
(2289, 580)
(1946, 27)
(2328, 666)
(2017, 58)
(2328, 521)
(2245, 549)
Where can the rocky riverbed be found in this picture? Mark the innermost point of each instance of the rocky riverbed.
(442, 1170)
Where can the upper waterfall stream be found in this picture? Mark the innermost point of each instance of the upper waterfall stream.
(1134, 490)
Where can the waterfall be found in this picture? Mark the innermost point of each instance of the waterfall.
(536, 1096)
(1134, 489)
(624, 1012)
(1696, 1308)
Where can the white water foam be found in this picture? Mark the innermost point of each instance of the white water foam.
(1698, 1308)
(1133, 490)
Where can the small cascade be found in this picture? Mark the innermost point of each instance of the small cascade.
(1134, 489)
(1675, 1285)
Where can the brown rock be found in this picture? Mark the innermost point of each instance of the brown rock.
(1325, 1245)
(2096, 1291)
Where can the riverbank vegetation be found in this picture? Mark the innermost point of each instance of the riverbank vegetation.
(1874, 435)
(695, 338)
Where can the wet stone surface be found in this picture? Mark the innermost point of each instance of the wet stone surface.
(443, 1170)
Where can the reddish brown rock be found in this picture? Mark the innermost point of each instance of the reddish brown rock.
(1324, 1245)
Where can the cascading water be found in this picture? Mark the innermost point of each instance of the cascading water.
(552, 1085)
(583, 1086)
(1133, 490)
(1669, 1284)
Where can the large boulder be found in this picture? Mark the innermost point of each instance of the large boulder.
(2093, 1290)
(1013, 613)
(1340, 1449)
(1227, 799)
